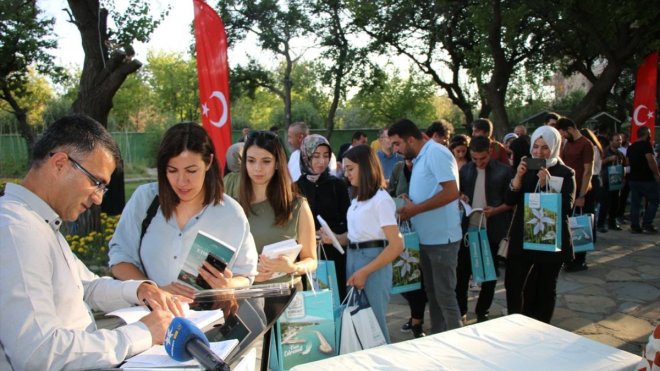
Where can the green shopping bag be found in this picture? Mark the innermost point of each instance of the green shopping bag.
(406, 271)
(481, 258)
(542, 221)
(615, 177)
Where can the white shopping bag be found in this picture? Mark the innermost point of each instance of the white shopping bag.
(366, 325)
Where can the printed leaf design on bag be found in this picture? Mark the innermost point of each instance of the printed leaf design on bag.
(406, 267)
(540, 225)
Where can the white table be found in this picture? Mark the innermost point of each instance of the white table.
(514, 342)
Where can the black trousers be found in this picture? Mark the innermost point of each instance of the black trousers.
(609, 206)
(417, 302)
(531, 288)
(463, 273)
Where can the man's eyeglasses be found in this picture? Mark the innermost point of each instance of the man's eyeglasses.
(101, 187)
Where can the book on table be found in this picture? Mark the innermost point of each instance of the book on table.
(289, 248)
(206, 247)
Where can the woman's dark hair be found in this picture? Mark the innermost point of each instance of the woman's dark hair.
(280, 191)
(370, 174)
(459, 140)
(187, 136)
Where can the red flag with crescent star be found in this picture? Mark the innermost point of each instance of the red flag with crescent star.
(213, 76)
(644, 101)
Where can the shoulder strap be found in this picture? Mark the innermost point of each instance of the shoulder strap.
(151, 212)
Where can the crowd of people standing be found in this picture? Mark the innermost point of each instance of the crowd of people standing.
(266, 198)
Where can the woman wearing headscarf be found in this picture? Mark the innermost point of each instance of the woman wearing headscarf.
(327, 196)
(531, 276)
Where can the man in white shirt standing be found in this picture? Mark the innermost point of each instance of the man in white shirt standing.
(45, 292)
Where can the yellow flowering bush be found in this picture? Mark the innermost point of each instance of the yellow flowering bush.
(92, 249)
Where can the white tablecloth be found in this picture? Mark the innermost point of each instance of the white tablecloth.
(514, 342)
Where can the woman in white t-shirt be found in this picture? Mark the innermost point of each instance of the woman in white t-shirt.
(373, 233)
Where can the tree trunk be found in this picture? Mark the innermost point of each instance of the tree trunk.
(103, 74)
(588, 106)
(287, 87)
(26, 131)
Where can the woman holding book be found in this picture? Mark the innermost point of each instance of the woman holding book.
(188, 198)
(273, 208)
(327, 196)
(373, 232)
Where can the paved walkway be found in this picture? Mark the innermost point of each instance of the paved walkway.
(616, 301)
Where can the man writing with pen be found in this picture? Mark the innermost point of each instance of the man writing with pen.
(46, 293)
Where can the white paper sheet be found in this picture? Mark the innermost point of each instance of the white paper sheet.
(201, 318)
(157, 356)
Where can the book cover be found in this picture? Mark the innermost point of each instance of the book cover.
(289, 248)
(205, 247)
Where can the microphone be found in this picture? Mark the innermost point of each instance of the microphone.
(184, 341)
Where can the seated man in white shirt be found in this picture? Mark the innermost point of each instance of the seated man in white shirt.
(45, 292)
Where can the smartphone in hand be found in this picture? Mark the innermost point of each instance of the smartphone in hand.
(217, 263)
(534, 163)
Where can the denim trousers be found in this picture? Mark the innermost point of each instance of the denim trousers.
(378, 283)
(648, 190)
(439, 268)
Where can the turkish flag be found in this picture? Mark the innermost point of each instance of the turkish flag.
(644, 101)
(213, 76)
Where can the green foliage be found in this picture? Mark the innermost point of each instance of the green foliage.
(135, 23)
(25, 38)
(173, 80)
(393, 97)
(131, 104)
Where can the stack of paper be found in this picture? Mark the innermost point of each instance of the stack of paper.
(201, 318)
(157, 356)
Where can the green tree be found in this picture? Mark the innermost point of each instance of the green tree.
(389, 98)
(173, 79)
(276, 25)
(25, 38)
(600, 39)
(131, 104)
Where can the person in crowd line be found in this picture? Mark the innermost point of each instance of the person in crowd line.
(596, 181)
(432, 206)
(386, 155)
(275, 210)
(328, 197)
(483, 183)
(578, 154)
(551, 119)
(644, 179)
(484, 127)
(46, 292)
(416, 299)
(440, 131)
(244, 134)
(459, 148)
(373, 233)
(189, 197)
(520, 130)
(531, 276)
(610, 198)
(625, 190)
(294, 136)
(507, 140)
(274, 129)
(519, 147)
(359, 137)
(232, 178)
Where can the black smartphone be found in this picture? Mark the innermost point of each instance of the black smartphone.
(217, 263)
(534, 163)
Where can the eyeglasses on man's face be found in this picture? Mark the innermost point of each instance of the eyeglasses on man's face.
(100, 187)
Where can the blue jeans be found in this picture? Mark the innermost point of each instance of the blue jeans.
(378, 283)
(648, 190)
(439, 269)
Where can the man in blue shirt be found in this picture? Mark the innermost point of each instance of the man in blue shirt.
(386, 155)
(433, 210)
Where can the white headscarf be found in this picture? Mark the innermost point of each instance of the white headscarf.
(553, 139)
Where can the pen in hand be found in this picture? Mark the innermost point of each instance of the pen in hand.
(147, 304)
